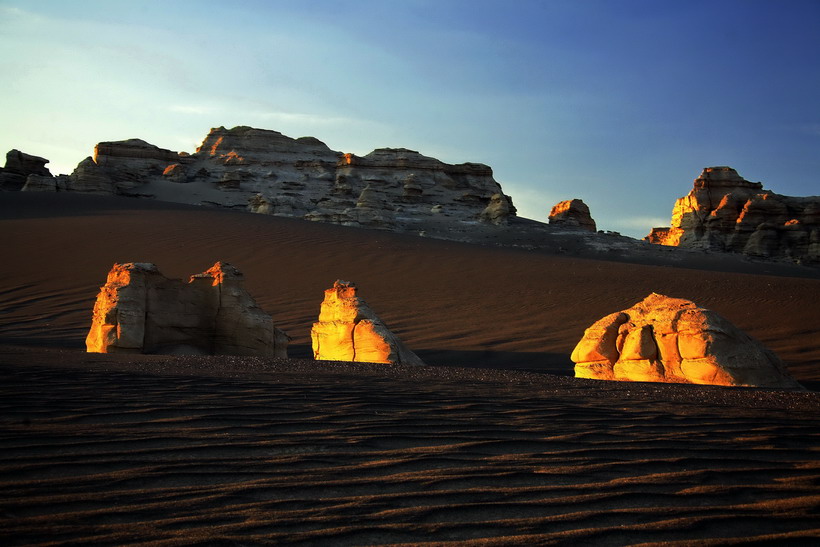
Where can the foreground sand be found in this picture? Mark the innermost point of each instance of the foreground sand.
(103, 449)
(115, 449)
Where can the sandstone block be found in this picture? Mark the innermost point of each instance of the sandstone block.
(572, 213)
(349, 330)
(662, 339)
(139, 310)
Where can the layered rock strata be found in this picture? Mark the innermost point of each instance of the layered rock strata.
(663, 339)
(572, 213)
(266, 172)
(725, 212)
(349, 330)
(139, 310)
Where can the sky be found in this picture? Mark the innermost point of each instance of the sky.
(620, 103)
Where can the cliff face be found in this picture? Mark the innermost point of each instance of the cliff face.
(263, 171)
(725, 212)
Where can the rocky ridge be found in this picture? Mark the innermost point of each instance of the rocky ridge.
(266, 172)
(725, 212)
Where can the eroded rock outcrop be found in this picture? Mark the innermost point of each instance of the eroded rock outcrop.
(663, 339)
(572, 213)
(725, 212)
(139, 310)
(263, 171)
(348, 330)
(19, 166)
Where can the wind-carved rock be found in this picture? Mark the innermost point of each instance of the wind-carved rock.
(139, 310)
(725, 212)
(348, 330)
(263, 171)
(663, 339)
(572, 213)
(19, 166)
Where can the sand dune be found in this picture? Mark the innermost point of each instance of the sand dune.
(111, 449)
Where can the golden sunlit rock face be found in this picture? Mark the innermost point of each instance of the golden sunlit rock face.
(572, 213)
(725, 212)
(139, 310)
(663, 339)
(348, 330)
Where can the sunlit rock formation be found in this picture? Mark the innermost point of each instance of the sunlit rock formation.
(725, 212)
(572, 213)
(663, 339)
(348, 330)
(139, 310)
(266, 172)
(19, 166)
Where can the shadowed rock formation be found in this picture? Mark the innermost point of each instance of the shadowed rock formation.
(139, 310)
(725, 212)
(348, 330)
(662, 339)
(572, 213)
(19, 166)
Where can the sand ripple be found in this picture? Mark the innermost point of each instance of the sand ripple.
(314, 456)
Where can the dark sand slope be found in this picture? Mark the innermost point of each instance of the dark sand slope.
(122, 451)
(454, 304)
(114, 449)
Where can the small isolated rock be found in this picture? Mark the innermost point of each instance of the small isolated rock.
(139, 310)
(498, 210)
(572, 213)
(663, 339)
(348, 330)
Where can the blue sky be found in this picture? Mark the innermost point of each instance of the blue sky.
(619, 102)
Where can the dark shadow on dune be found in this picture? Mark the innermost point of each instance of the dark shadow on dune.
(552, 363)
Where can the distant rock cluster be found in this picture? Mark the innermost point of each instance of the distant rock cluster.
(662, 339)
(139, 310)
(725, 212)
(266, 172)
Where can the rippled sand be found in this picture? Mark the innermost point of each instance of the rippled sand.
(112, 449)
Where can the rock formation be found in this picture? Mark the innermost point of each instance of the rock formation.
(19, 166)
(348, 330)
(725, 212)
(572, 213)
(266, 172)
(139, 310)
(662, 339)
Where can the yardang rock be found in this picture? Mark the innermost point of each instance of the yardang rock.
(725, 212)
(139, 310)
(663, 339)
(348, 330)
(572, 213)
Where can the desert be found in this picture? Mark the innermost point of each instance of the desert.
(419, 273)
(492, 441)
